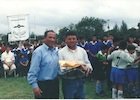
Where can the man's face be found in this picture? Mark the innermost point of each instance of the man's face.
(78, 40)
(71, 40)
(8, 49)
(105, 38)
(83, 41)
(131, 39)
(94, 38)
(50, 39)
(131, 51)
(111, 37)
(35, 42)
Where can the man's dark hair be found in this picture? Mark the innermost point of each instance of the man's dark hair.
(35, 40)
(116, 39)
(104, 47)
(111, 35)
(132, 36)
(123, 45)
(70, 33)
(26, 44)
(80, 38)
(105, 35)
(8, 45)
(131, 47)
(95, 36)
(46, 32)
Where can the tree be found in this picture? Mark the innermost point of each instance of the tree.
(89, 26)
(123, 29)
(61, 36)
(72, 26)
(132, 31)
(5, 38)
(32, 37)
(115, 31)
(138, 31)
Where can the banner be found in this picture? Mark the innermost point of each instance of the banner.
(19, 27)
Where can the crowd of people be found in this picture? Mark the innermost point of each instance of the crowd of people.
(17, 57)
(110, 58)
(115, 60)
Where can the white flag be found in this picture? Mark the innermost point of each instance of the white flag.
(19, 27)
(10, 38)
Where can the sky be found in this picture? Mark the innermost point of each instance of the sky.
(56, 14)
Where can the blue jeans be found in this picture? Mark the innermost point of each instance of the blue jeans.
(73, 88)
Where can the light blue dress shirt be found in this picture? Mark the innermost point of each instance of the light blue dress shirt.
(44, 65)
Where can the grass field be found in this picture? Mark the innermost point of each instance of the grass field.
(18, 88)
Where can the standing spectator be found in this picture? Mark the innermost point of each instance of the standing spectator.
(44, 69)
(16, 52)
(25, 50)
(101, 64)
(131, 40)
(106, 41)
(21, 44)
(30, 55)
(111, 38)
(3, 47)
(27, 42)
(35, 44)
(8, 60)
(18, 70)
(92, 49)
(82, 43)
(73, 88)
(63, 44)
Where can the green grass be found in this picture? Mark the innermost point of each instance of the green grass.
(18, 88)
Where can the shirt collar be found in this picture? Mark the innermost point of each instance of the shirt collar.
(93, 43)
(48, 48)
(71, 49)
(8, 52)
(83, 44)
(106, 42)
(100, 52)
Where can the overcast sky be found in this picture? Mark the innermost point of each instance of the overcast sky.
(55, 14)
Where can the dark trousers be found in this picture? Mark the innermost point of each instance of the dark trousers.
(49, 88)
(108, 71)
(24, 70)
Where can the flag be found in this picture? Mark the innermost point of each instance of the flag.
(19, 27)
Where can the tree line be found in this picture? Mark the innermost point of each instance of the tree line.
(87, 27)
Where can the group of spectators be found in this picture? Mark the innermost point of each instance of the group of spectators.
(116, 60)
(17, 57)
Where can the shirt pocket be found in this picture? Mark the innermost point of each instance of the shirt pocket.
(46, 59)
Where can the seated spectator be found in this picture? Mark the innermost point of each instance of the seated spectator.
(23, 65)
(8, 60)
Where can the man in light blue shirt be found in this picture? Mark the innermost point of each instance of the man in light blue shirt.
(44, 69)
